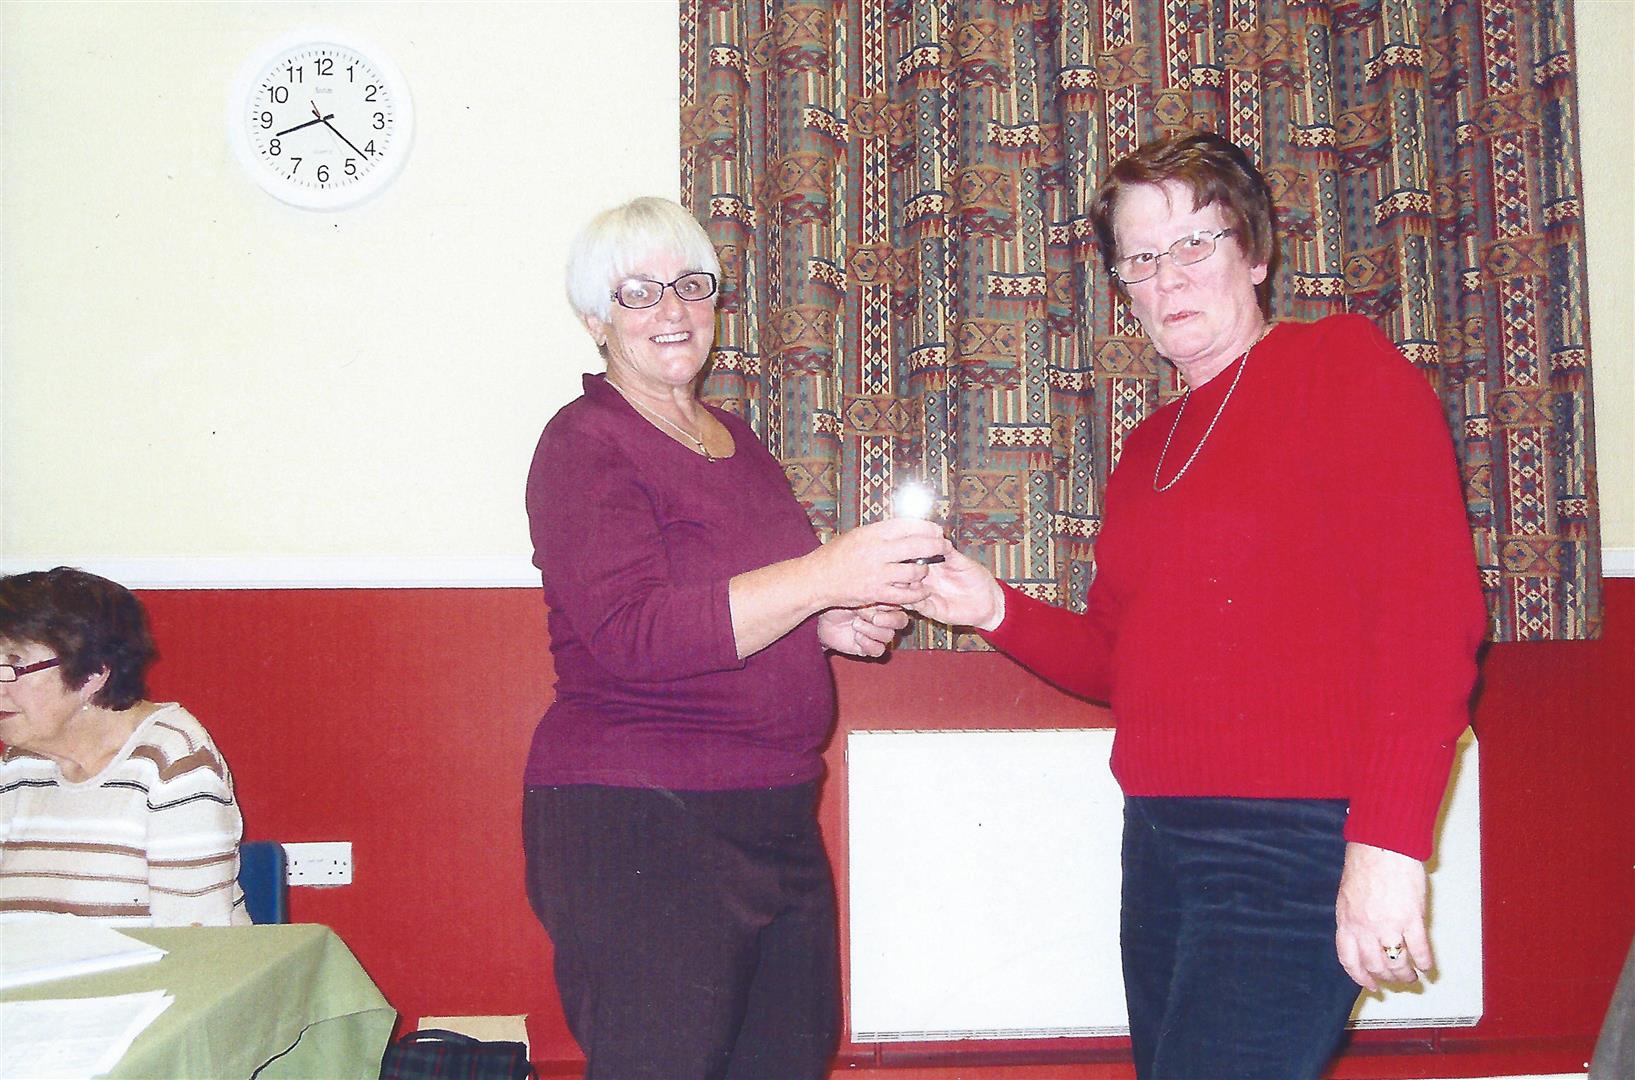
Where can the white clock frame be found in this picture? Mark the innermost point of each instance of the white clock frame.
(242, 103)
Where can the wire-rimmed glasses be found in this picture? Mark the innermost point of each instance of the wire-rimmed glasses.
(639, 293)
(1191, 248)
(13, 672)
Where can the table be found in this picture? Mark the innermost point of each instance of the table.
(287, 1000)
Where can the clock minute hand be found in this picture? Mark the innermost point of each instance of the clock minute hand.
(341, 137)
(309, 123)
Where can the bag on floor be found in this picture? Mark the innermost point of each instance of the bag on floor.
(435, 1054)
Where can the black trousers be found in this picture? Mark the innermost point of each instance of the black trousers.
(695, 932)
(1227, 932)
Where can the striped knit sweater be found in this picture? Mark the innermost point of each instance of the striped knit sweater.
(152, 840)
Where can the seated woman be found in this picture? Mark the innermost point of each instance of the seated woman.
(111, 806)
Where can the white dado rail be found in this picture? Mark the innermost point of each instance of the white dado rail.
(984, 883)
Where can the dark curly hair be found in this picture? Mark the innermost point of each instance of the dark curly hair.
(90, 622)
(1217, 171)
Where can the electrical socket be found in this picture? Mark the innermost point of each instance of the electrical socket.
(321, 864)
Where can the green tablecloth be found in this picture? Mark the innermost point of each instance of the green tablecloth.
(291, 1001)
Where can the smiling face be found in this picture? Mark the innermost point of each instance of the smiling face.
(660, 349)
(36, 710)
(1199, 317)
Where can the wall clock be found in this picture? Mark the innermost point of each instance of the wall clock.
(321, 120)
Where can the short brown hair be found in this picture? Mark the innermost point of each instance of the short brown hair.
(91, 623)
(1215, 168)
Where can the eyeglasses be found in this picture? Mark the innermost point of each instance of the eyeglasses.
(1190, 249)
(638, 293)
(12, 672)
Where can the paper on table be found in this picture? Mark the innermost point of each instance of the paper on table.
(76, 1038)
(56, 947)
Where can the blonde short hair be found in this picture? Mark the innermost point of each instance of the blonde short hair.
(611, 247)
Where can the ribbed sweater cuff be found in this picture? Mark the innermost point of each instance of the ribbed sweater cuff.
(1018, 605)
(1398, 793)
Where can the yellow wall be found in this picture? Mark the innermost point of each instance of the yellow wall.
(199, 384)
(192, 368)
(1606, 98)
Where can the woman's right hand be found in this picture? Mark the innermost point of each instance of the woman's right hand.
(962, 592)
(875, 564)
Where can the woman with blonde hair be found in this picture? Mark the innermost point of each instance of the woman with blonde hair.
(670, 814)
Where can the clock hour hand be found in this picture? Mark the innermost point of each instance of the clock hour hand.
(309, 123)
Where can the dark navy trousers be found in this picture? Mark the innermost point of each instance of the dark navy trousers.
(1227, 934)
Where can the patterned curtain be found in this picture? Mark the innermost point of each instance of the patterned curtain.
(899, 191)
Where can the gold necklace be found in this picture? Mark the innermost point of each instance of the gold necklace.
(698, 443)
(1158, 469)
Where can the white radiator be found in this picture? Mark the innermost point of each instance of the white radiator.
(984, 882)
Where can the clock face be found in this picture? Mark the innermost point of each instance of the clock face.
(321, 124)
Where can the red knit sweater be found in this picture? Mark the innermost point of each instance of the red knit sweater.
(1298, 616)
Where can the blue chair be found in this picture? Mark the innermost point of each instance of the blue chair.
(261, 875)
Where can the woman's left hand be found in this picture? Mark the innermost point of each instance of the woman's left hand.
(1380, 914)
(864, 631)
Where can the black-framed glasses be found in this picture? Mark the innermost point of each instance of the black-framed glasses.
(638, 293)
(13, 672)
(1191, 248)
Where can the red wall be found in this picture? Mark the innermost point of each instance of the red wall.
(399, 719)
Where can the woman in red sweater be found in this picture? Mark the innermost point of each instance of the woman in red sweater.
(1284, 620)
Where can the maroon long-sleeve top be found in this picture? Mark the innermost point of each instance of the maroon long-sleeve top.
(1296, 617)
(636, 538)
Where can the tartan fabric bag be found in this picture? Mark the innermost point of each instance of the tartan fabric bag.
(435, 1054)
